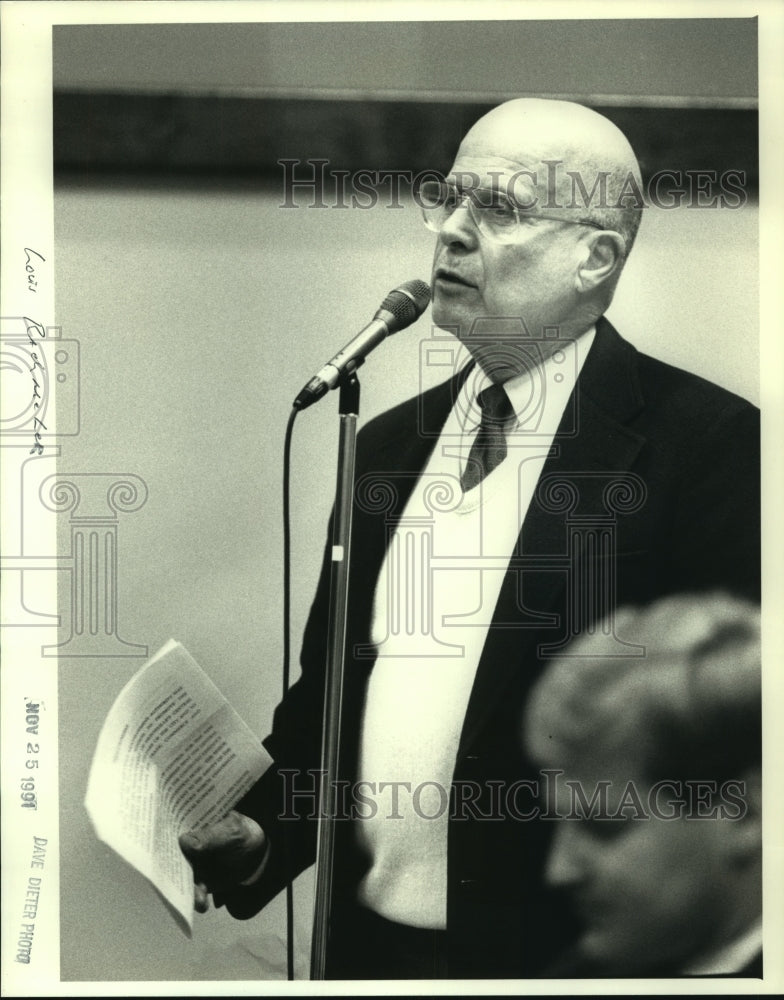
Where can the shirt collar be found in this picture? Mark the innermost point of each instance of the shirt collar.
(525, 399)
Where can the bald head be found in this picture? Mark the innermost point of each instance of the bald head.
(549, 207)
(570, 157)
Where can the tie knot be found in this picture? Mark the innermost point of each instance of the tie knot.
(495, 405)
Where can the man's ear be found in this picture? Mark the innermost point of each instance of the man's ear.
(602, 258)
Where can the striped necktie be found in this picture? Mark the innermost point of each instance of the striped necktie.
(489, 447)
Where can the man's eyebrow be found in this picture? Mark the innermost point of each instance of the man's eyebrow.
(493, 188)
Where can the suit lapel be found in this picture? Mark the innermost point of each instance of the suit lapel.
(402, 456)
(591, 444)
(393, 458)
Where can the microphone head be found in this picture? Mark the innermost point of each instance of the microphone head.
(406, 303)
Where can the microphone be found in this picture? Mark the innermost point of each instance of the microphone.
(399, 309)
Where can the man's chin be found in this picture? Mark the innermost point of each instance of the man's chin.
(456, 321)
(603, 948)
(614, 953)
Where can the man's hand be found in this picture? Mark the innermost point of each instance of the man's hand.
(224, 856)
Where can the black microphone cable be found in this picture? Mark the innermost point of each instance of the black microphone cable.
(287, 660)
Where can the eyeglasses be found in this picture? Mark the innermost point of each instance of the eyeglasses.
(491, 212)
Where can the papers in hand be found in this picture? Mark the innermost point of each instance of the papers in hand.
(172, 755)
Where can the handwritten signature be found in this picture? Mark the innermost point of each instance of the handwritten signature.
(30, 266)
(32, 326)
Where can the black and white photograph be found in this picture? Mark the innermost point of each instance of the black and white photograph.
(391, 397)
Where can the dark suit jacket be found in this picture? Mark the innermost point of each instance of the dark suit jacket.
(651, 487)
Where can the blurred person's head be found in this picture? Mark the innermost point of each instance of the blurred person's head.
(659, 844)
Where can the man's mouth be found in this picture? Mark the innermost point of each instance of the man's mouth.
(589, 911)
(448, 277)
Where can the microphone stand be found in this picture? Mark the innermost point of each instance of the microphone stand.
(348, 409)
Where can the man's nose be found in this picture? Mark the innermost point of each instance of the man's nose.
(565, 864)
(459, 228)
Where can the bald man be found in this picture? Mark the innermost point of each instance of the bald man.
(557, 474)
